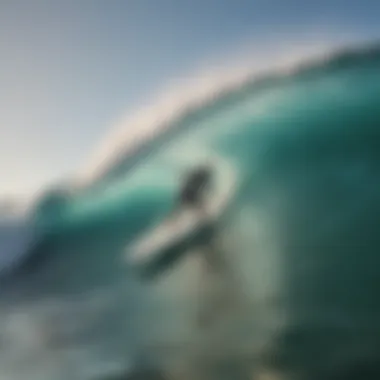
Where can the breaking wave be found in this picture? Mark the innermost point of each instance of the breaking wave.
(304, 146)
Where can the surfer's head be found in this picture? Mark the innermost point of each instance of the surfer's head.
(196, 183)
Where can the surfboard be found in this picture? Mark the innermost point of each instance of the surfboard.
(160, 247)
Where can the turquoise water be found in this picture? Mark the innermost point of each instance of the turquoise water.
(301, 233)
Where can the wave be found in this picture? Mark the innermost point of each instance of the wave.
(240, 104)
(302, 229)
(182, 107)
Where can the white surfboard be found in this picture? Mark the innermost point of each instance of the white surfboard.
(184, 223)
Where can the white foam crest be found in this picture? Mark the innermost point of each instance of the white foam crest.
(192, 93)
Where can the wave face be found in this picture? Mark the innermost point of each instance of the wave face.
(301, 232)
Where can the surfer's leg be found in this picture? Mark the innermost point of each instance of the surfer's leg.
(206, 307)
(229, 295)
(212, 285)
(202, 304)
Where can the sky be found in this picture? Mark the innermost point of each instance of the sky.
(70, 69)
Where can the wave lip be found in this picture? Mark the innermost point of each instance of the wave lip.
(207, 92)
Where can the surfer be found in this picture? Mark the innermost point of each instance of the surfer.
(195, 201)
(193, 195)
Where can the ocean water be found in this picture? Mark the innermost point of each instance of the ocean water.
(300, 233)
